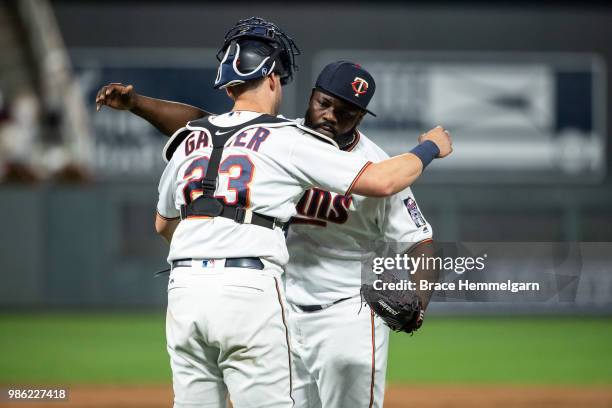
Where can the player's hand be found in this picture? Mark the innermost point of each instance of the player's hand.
(116, 96)
(441, 138)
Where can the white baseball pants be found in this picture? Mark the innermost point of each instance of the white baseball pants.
(226, 333)
(340, 356)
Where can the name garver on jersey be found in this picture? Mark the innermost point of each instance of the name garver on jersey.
(250, 138)
(318, 206)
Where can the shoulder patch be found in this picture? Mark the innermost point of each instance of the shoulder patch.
(414, 212)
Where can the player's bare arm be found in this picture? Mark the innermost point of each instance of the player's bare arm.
(391, 176)
(166, 116)
(165, 227)
(424, 249)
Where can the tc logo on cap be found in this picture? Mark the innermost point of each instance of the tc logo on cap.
(360, 86)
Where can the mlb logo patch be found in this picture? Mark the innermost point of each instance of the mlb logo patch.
(208, 263)
(414, 212)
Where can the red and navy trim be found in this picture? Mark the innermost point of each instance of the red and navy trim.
(166, 218)
(348, 192)
(373, 360)
(280, 301)
(354, 143)
(416, 245)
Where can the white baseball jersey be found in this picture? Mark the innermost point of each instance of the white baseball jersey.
(328, 236)
(263, 168)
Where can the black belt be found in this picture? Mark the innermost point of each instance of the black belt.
(316, 308)
(237, 214)
(247, 262)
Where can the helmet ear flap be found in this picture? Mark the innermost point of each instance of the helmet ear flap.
(225, 69)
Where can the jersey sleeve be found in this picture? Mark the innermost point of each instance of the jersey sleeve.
(404, 222)
(317, 164)
(166, 206)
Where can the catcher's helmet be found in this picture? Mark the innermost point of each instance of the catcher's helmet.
(254, 48)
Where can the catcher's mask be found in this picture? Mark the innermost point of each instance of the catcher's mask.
(254, 48)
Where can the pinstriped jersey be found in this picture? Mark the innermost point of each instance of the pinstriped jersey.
(329, 235)
(263, 168)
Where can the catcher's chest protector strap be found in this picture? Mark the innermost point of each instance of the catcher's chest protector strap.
(207, 204)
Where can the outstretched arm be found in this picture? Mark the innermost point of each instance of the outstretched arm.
(166, 116)
(391, 176)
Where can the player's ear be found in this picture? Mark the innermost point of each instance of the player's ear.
(311, 96)
(274, 81)
(361, 115)
(229, 93)
(270, 82)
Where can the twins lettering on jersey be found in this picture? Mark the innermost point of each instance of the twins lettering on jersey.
(317, 207)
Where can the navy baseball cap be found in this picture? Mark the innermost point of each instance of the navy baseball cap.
(347, 81)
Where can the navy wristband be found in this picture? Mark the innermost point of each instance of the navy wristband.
(426, 151)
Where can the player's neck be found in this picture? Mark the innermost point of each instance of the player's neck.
(254, 105)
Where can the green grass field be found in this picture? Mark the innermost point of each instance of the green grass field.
(130, 349)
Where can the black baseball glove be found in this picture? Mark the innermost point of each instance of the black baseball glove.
(401, 310)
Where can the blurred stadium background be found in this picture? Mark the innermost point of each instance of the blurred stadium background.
(523, 88)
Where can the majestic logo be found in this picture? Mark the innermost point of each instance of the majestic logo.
(360, 86)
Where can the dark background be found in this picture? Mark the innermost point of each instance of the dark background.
(100, 238)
